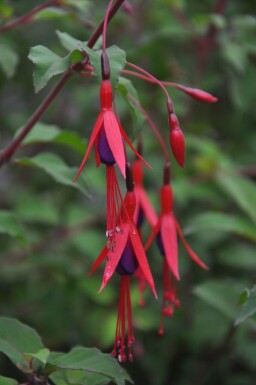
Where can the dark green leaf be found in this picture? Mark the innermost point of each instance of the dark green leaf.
(57, 169)
(47, 65)
(80, 5)
(70, 43)
(41, 133)
(77, 377)
(8, 60)
(222, 222)
(44, 133)
(50, 13)
(248, 307)
(17, 339)
(221, 295)
(93, 361)
(241, 190)
(7, 381)
(10, 225)
(238, 255)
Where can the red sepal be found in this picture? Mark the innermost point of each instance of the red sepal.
(92, 140)
(141, 257)
(114, 138)
(169, 239)
(191, 253)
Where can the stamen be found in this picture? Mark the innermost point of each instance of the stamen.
(124, 323)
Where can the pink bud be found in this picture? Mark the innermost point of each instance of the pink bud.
(200, 95)
(177, 142)
(127, 7)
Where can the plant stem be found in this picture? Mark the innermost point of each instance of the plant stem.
(28, 16)
(98, 31)
(6, 154)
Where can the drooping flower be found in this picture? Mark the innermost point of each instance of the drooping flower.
(126, 255)
(107, 135)
(166, 230)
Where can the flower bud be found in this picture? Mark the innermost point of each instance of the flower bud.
(177, 142)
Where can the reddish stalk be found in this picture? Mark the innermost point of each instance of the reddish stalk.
(98, 31)
(151, 77)
(104, 30)
(153, 126)
(28, 16)
(6, 154)
(195, 93)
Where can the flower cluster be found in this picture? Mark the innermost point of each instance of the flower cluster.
(124, 253)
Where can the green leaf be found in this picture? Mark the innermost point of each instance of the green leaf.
(221, 295)
(236, 55)
(244, 296)
(92, 361)
(47, 65)
(238, 255)
(7, 381)
(42, 355)
(16, 339)
(5, 11)
(41, 133)
(125, 87)
(117, 60)
(241, 190)
(8, 60)
(49, 133)
(248, 307)
(50, 13)
(28, 208)
(76, 56)
(69, 42)
(224, 223)
(80, 5)
(10, 225)
(54, 166)
(77, 377)
(117, 57)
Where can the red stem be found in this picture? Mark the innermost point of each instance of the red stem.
(98, 31)
(105, 23)
(28, 16)
(9, 151)
(150, 76)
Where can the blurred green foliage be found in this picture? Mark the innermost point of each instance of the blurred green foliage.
(51, 230)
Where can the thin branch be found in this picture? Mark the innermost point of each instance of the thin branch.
(28, 16)
(9, 151)
(98, 31)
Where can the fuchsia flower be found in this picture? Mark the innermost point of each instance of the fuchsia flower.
(166, 230)
(124, 257)
(107, 135)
